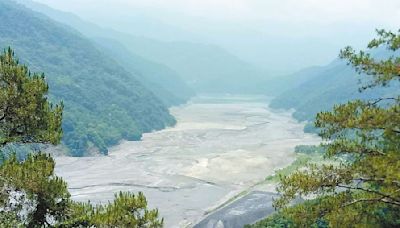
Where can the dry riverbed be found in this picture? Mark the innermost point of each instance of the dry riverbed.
(220, 147)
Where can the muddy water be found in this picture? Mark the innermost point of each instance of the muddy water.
(220, 146)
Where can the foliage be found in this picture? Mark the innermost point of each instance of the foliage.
(277, 220)
(305, 154)
(301, 161)
(283, 220)
(127, 210)
(25, 114)
(103, 102)
(46, 201)
(364, 189)
(35, 177)
(28, 117)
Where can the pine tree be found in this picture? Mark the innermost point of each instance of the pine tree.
(364, 189)
(127, 210)
(44, 192)
(26, 116)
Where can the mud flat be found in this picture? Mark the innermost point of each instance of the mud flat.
(220, 147)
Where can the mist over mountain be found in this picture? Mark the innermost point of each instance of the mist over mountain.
(204, 67)
(280, 37)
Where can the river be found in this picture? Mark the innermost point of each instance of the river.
(220, 146)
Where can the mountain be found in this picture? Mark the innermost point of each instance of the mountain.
(333, 84)
(104, 103)
(206, 68)
(160, 79)
(165, 83)
(280, 84)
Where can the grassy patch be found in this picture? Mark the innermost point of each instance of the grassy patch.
(301, 161)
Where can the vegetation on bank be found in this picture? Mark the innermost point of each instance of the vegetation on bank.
(363, 189)
(305, 154)
(31, 195)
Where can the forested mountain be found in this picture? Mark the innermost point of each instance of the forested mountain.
(333, 84)
(103, 102)
(206, 68)
(165, 83)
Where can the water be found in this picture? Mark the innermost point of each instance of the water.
(221, 146)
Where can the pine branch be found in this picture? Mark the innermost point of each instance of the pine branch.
(385, 196)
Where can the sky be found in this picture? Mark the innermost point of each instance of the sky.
(280, 35)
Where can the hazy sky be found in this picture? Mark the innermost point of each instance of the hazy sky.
(291, 11)
(271, 33)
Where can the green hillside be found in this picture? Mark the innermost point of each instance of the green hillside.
(103, 102)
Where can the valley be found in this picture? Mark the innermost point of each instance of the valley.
(220, 146)
(203, 114)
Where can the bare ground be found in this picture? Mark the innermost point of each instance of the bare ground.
(218, 149)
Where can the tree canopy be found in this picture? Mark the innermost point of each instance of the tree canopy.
(364, 137)
(127, 210)
(33, 196)
(26, 116)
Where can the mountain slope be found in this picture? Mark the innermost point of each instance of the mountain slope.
(336, 83)
(164, 82)
(161, 80)
(103, 102)
(206, 68)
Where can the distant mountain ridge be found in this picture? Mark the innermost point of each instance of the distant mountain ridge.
(157, 77)
(104, 103)
(280, 84)
(206, 68)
